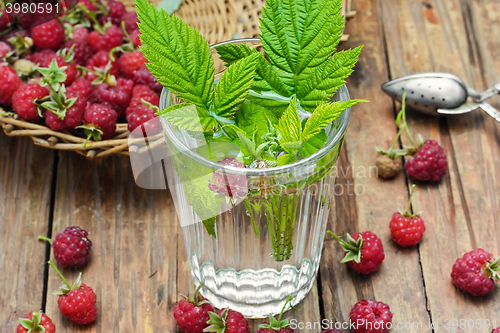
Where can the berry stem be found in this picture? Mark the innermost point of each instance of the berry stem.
(403, 116)
(45, 239)
(342, 242)
(288, 300)
(60, 274)
(409, 199)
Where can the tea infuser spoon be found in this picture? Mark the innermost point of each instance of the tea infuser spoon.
(441, 93)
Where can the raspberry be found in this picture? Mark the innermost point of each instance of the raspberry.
(277, 326)
(116, 11)
(407, 229)
(81, 87)
(227, 321)
(131, 62)
(388, 167)
(81, 35)
(72, 247)
(81, 51)
(134, 36)
(117, 97)
(364, 251)
(229, 185)
(475, 272)
(496, 330)
(98, 62)
(44, 58)
(369, 316)
(144, 76)
(113, 37)
(23, 100)
(49, 35)
(88, 4)
(142, 93)
(36, 322)
(4, 49)
(191, 314)
(131, 20)
(73, 116)
(142, 116)
(101, 118)
(9, 83)
(429, 163)
(4, 20)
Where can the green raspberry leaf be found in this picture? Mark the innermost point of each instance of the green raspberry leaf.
(252, 116)
(289, 127)
(324, 115)
(190, 117)
(177, 55)
(314, 144)
(234, 86)
(287, 159)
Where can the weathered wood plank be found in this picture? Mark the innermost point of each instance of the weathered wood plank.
(134, 268)
(453, 36)
(399, 281)
(25, 189)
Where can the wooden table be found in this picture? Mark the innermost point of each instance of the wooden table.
(138, 263)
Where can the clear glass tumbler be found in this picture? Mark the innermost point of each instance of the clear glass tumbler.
(251, 251)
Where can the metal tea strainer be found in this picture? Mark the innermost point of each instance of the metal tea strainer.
(441, 93)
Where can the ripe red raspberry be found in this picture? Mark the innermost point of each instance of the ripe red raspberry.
(113, 37)
(4, 20)
(81, 35)
(88, 4)
(142, 116)
(76, 302)
(36, 322)
(100, 122)
(277, 326)
(368, 316)
(9, 83)
(131, 20)
(134, 36)
(49, 35)
(227, 321)
(233, 186)
(4, 49)
(407, 229)
(496, 330)
(81, 87)
(144, 76)
(81, 51)
(23, 100)
(191, 314)
(117, 97)
(429, 163)
(364, 251)
(98, 63)
(71, 247)
(131, 62)
(475, 272)
(142, 93)
(116, 11)
(44, 58)
(72, 116)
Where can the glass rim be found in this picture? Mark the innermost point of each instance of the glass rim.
(305, 162)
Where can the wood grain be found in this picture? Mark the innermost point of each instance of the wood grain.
(25, 189)
(461, 211)
(364, 202)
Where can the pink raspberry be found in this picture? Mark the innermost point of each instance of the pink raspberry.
(233, 186)
(429, 163)
(369, 316)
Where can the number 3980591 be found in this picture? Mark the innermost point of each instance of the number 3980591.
(32, 8)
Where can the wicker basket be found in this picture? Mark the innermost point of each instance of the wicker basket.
(217, 20)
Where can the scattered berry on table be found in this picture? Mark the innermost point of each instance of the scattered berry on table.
(141, 117)
(364, 251)
(71, 247)
(131, 20)
(407, 229)
(369, 316)
(140, 94)
(100, 122)
(144, 76)
(49, 35)
(277, 326)
(36, 322)
(227, 321)
(76, 302)
(233, 186)
(476, 272)
(131, 62)
(388, 167)
(23, 100)
(191, 314)
(428, 164)
(9, 83)
(111, 38)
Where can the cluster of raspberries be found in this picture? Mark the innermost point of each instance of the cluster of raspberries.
(97, 44)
